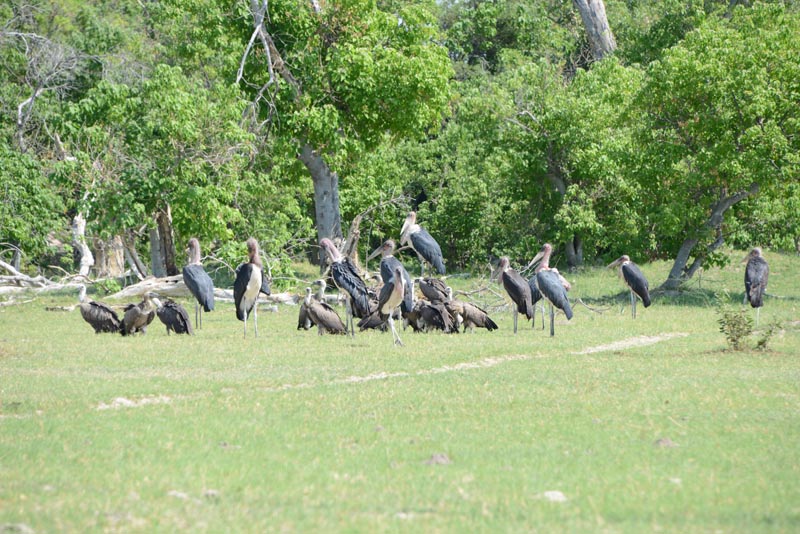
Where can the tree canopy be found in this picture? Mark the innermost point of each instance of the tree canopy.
(493, 119)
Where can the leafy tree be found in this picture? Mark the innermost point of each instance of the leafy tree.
(337, 78)
(30, 207)
(720, 125)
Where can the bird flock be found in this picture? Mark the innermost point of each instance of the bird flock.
(392, 299)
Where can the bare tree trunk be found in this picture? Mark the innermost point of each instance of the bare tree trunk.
(167, 244)
(593, 14)
(109, 257)
(679, 273)
(132, 256)
(156, 257)
(79, 243)
(326, 196)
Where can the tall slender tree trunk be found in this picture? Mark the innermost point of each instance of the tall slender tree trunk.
(132, 256)
(574, 249)
(601, 39)
(326, 196)
(167, 243)
(85, 257)
(156, 257)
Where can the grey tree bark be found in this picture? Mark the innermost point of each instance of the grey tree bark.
(601, 39)
(326, 196)
(679, 273)
(79, 243)
(167, 243)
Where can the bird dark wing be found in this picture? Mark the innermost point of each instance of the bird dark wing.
(346, 277)
(519, 291)
(428, 248)
(265, 284)
(181, 322)
(101, 317)
(433, 289)
(536, 295)
(243, 274)
(200, 285)
(756, 275)
(553, 290)
(304, 321)
(637, 282)
(478, 317)
(323, 315)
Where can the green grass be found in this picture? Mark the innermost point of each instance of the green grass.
(292, 432)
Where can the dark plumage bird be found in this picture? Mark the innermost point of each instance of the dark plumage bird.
(391, 296)
(536, 296)
(756, 276)
(433, 289)
(388, 265)
(199, 283)
(467, 314)
(634, 279)
(323, 315)
(346, 278)
(139, 316)
(552, 285)
(517, 288)
(99, 315)
(248, 284)
(427, 316)
(422, 242)
(174, 316)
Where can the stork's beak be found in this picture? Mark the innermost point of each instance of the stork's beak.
(535, 260)
(375, 253)
(615, 263)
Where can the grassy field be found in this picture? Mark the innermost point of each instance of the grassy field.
(614, 425)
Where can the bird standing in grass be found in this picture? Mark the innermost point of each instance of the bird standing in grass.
(634, 279)
(174, 316)
(756, 276)
(248, 284)
(199, 283)
(139, 316)
(517, 288)
(99, 315)
(552, 285)
(346, 277)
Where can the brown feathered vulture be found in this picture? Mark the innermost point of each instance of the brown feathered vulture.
(99, 315)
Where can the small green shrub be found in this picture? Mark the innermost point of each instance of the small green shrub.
(737, 326)
(767, 334)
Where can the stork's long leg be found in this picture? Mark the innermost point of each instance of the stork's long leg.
(552, 320)
(758, 313)
(245, 324)
(515, 321)
(633, 304)
(349, 324)
(395, 335)
(196, 313)
(255, 316)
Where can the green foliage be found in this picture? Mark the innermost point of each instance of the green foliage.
(736, 324)
(30, 207)
(720, 115)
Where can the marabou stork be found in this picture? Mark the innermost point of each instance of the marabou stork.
(433, 289)
(346, 278)
(99, 315)
(634, 279)
(198, 282)
(468, 314)
(248, 284)
(388, 265)
(174, 316)
(756, 275)
(422, 242)
(322, 314)
(138, 316)
(391, 296)
(517, 288)
(552, 285)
